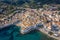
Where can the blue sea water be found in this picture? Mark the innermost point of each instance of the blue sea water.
(12, 33)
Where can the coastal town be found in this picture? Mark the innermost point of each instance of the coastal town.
(45, 19)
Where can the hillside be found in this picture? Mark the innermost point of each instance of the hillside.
(32, 1)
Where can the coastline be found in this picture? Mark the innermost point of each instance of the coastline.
(6, 25)
(48, 14)
(13, 31)
(42, 30)
(38, 29)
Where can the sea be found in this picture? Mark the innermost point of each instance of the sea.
(13, 33)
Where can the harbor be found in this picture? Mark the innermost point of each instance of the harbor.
(45, 19)
(12, 32)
